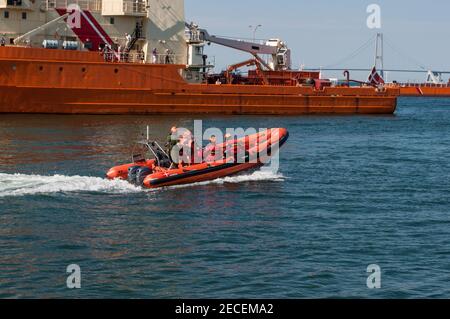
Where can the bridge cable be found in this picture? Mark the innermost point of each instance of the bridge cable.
(402, 54)
(355, 53)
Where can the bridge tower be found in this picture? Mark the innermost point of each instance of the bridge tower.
(379, 54)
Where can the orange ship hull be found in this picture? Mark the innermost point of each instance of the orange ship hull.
(70, 82)
(425, 91)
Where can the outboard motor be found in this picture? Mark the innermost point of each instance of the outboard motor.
(132, 171)
(141, 174)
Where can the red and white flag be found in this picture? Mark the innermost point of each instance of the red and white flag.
(375, 78)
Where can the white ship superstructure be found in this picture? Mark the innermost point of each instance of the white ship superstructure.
(113, 22)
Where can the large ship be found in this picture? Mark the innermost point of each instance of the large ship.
(141, 57)
(424, 90)
(434, 86)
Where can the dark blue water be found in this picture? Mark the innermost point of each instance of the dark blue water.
(351, 191)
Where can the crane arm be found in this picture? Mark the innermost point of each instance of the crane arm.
(250, 47)
(39, 29)
(236, 66)
(276, 48)
(257, 61)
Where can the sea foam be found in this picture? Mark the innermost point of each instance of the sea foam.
(22, 185)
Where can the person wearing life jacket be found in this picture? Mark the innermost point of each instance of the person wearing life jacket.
(171, 141)
(191, 147)
(178, 146)
(186, 150)
(229, 148)
(209, 152)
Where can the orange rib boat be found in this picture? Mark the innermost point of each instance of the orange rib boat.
(239, 155)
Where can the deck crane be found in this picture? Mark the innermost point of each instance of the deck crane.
(276, 48)
(39, 29)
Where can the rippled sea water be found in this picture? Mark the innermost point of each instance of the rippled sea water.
(351, 191)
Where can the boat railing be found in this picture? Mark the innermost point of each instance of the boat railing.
(129, 7)
(88, 5)
(124, 57)
(134, 6)
(139, 57)
(427, 85)
(167, 59)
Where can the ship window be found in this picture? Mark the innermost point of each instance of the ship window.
(24, 15)
(11, 40)
(14, 2)
(111, 20)
(6, 14)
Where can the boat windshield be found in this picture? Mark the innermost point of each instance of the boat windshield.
(147, 150)
(141, 153)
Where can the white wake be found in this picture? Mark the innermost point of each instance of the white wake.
(258, 176)
(20, 184)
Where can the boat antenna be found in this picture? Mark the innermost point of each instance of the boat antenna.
(148, 133)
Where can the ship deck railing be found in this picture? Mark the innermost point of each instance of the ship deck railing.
(139, 57)
(167, 59)
(133, 6)
(129, 7)
(429, 85)
(87, 5)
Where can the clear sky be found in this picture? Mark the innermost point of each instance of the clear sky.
(324, 32)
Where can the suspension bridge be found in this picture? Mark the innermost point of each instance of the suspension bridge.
(380, 40)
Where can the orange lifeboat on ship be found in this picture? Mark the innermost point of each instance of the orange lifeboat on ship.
(236, 156)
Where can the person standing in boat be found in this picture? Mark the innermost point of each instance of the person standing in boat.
(88, 44)
(172, 139)
(181, 156)
(2, 41)
(141, 56)
(190, 149)
(138, 29)
(154, 56)
(127, 41)
(228, 145)
(210, 151)
(168, 57)
(120, 53)
(108, 53)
